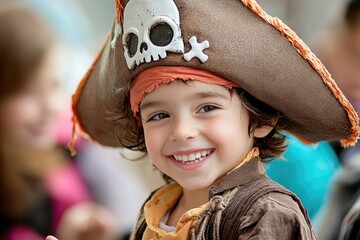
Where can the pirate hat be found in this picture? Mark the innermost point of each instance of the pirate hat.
(235, 39)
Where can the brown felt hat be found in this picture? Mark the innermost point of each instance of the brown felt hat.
(235, 39)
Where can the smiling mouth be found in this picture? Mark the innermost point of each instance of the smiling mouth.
(192, 158)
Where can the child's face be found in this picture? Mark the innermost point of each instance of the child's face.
(195, 120)
(27, 118)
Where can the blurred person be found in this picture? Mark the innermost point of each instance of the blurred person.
(42, 191)
(73, 28)
(350, 229)
(98, 175)
(339, 48)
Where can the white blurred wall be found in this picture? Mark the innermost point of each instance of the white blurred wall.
(306, 17)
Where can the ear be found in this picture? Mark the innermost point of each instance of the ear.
(263, 131)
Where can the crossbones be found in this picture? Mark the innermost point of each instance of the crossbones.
(197, 50)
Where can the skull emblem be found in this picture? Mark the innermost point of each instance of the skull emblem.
(151, 29)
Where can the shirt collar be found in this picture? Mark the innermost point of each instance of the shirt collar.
(239, 176)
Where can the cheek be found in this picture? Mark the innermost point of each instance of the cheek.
(153, 141)
(15, 113)
(13, 124)
(231, 137)
(230, 130)
(29, 112)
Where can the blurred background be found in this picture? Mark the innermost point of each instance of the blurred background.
(121, 186)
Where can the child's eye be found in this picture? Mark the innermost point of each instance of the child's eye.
(207, 108)
(158, 116)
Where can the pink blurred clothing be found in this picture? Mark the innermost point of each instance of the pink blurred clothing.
(66, 189)
(23, 232)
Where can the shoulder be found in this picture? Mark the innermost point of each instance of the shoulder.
(277, 214)
(274, 205)
(279, 202)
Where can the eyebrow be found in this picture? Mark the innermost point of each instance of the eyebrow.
(150, 104)
(211, 94)
(200, 95)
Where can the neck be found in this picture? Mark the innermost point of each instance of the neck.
(193, 198)
(189, 199)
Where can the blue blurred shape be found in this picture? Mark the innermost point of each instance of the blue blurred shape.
(306, 170)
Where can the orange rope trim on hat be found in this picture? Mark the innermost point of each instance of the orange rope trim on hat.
(75, 100)
(119, 4)
(308, 55)
(152, 78)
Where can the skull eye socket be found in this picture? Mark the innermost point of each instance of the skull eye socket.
(161, 34)
(131, 43)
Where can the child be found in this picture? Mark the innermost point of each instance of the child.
(204, 88)
(41, 190)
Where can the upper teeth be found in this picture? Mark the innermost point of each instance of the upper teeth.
(193, 156)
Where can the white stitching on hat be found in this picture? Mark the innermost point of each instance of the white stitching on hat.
(117, 33)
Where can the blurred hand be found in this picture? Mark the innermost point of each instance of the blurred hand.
(86, 221)
(51, 238)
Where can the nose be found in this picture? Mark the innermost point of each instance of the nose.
(184, 130)
(143, 47)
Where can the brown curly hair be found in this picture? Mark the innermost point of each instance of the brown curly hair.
(24, 42)
(260, 114)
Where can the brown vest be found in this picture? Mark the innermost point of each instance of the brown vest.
(243, 199)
